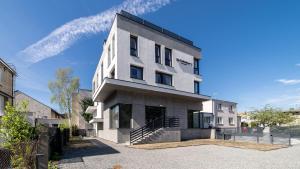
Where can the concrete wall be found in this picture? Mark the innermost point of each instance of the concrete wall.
(187, 134)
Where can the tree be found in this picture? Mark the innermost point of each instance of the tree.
(269, 116)
(85, 103)
(62, 88)
(18, 136)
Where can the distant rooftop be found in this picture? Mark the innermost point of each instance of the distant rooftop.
(10, 66)
(157, 28)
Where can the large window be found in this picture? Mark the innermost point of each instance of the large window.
(157, 54)
(120, 116)
(198, 119)
(196, 66)
(133, 45)
(163, 78)
(219, 106)
(193, 119)
(168, 57)
(196, 87)
(136, 72)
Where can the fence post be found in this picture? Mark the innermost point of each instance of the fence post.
(142, 133)
(257, 136)
(224, 134)
(272, 139)
(290, 143)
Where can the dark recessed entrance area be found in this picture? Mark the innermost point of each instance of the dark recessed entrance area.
(153, 113)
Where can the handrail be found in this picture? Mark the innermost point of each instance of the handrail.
(153, 126)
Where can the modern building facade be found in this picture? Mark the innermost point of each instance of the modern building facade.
(146, 73)
(224, 113)
(7, 82)
(38, 110)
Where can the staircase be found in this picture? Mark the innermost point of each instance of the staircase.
(153, 130)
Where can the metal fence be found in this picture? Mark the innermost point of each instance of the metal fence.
(274, 135)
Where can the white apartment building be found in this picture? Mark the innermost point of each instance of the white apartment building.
(146, 76)
(224, 113)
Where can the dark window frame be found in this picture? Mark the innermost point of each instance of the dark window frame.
(160, 78)
(196, 66)
(157, 54)
(138, 68)
(134, 49)
(168, 61)
(197, 90)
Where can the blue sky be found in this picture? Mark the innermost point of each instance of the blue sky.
(250, 49)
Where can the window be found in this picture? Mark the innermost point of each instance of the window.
(133, 46)
(120, 116)
(125, 116)
(136, 72)
(219, 107)
(114, 117)
(196, 87)
(168, 57)
(231, 121)
(219, 120)
(163, 78)
(193, 119)
(113, 46)
(231, 108)
(196, 66)
(108, 56)
(157, 54)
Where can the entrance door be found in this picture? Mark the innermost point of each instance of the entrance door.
(153, 113)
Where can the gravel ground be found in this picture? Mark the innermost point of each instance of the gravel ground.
(194, 157)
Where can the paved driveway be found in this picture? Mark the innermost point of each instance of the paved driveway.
(106, 154)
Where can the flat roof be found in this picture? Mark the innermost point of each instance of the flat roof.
(157, 28)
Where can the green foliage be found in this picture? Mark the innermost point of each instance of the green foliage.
(52, 165)
(17, 135)
(244, 124)
(85, 103)
(269, 116)
(14, 125)
(253, 124)
(63, 125)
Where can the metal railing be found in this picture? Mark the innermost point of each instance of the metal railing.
(151, 127)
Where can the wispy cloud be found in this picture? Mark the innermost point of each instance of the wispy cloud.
(298, 64)
(66, 35)
(289, 81)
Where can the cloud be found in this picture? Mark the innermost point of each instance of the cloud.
(64, 36)
(289, 82)
(298, 64)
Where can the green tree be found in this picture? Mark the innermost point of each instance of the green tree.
(85, 103)
(18, 135)
(269, 116)
(62, 88)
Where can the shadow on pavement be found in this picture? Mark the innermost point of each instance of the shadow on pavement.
(84, 148)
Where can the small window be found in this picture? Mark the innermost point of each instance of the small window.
(219, 120)
(231, 121)
(196, 87)
(113, 46)
(231, 108)
(163, 78)
(136, 72)
(168, 57)
(157, 54)
(196, 66)
(219, 107)
(133, 46)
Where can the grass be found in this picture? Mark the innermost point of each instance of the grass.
(197, 142)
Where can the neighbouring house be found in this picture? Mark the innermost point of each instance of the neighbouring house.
(224, 113)
(76, 116)
(38, 112)
(146, 86)
(7, 83)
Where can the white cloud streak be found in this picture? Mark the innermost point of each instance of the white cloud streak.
(289, 81)
(66, 35)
